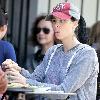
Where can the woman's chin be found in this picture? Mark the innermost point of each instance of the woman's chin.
(58, 37)
(42, 42)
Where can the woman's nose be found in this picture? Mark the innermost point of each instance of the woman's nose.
(41, 32)
(56, 25)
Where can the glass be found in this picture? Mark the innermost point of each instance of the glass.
(45, 30)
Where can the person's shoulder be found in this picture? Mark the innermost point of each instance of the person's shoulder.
(3, 42)
(86, 52)
(6, 45)
(85, 48)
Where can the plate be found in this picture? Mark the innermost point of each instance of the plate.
(19, 89)
(28, 89)
(12, 85)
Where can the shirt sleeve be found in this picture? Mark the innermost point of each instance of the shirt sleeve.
(9, 51)
(77, 75)
(39, 72)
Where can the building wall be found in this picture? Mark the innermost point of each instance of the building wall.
(89, 9)
(22, 13)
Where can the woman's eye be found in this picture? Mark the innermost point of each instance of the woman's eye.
(53, 20)
(61, 21)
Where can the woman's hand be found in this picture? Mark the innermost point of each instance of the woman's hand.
(3, 82)
(9, 64)
(15, 77)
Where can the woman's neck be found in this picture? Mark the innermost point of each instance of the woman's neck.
(70, 43)
(46, 47)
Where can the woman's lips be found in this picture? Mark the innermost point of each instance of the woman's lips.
(56, 32)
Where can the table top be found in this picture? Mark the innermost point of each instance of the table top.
(52, 94)
(39, 91)
(28, 89)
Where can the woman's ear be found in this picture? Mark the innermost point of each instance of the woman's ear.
(75, 24)
(3, 29)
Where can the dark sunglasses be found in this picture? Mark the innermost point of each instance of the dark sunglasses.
(45, 30)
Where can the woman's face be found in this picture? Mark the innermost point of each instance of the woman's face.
(3, 31)
(45, 32)
(64, 29)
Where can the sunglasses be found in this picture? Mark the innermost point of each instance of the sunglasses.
(45, 30)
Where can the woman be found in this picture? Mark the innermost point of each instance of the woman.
(43, 38)
(94, 41)
(69, 67)
(4, 52)
(94, 36)
(6, 48)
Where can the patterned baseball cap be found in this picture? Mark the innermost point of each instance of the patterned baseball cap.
(64, 11)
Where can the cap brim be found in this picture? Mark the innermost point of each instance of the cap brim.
(49, 17)
(61, 15)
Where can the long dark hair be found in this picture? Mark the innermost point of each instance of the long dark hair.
(81, 30)
(3, 18)
(34, 28)
(95, 33)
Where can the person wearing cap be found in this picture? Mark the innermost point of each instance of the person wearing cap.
(71, 67)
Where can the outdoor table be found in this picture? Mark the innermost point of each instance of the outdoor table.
(51, 95)
(13, 92)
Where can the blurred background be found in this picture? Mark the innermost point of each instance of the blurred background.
(22, 13)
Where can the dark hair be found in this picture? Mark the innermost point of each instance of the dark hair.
(81, 30)
(34, 28)
(95, 33)
(3, 18)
